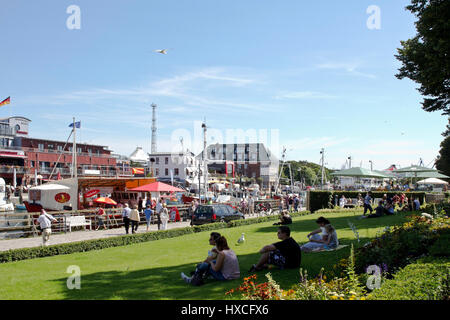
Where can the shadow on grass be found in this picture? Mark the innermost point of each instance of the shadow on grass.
(166, 283)
(309, 224)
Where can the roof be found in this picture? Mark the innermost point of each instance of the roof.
(157, 187)
(359, 172)
(16, 117)
(139, 155)
(432, 181)
(87, 182)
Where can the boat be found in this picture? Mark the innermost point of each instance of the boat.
(21, 206)
(5, 206)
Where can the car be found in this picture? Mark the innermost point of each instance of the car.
(215, 213)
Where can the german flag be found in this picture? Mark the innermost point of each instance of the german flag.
(137, 170)
(5, 102)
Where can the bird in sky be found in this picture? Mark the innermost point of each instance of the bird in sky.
(163, 51)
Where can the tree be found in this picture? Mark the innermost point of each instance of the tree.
(443, 161)
(426, 57)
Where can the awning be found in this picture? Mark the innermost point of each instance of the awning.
(12, 154)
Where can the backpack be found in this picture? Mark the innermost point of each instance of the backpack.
(197, 279)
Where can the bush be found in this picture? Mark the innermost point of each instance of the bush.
(396, 248)
(320, 199)
(98, 244)
(418, 281)
(441, 248)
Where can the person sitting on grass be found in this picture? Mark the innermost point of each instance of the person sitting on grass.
(379, 211)
(328, 241)
(212, 255)
(285, 218)
(389, 208)
(225, 267)
(285, 254)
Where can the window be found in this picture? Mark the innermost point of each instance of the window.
(50, 146)
(90, 151)
(157, 160)
(156, 172)
(166, 160)
(176, 171)
(41, 147)
(166, 172)
(59, 148)
(79, 150)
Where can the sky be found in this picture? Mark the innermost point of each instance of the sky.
(304, 75)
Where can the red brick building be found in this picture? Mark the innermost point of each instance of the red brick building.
(45, 158)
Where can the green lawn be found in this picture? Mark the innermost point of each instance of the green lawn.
(152, 270)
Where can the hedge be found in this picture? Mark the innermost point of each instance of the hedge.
(98, 244)
(424, 280)
(321, 199)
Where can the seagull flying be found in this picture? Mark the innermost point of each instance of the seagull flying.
(163, 51)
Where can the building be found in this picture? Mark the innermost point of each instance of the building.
(182, 166)
(252, 160)
(48, 159)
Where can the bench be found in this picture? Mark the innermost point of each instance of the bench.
(77, 221)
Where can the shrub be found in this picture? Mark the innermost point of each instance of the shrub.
(399, 247)
(321, 199)
(307, 289)
(417, 281)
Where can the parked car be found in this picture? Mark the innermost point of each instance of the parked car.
(215, 213)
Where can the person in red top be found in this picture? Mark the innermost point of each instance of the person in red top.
(101, 216)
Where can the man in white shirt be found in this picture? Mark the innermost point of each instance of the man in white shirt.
(251, 205)
(126, 217)
(45, 222)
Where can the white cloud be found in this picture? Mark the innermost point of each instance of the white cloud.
(304, 95)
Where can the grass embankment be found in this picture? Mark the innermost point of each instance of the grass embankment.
(151, 270)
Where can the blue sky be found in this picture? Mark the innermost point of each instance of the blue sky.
(310, 73)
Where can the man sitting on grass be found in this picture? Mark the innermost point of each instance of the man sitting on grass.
(285, 254)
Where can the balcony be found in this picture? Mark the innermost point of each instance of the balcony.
(10, 169)
(69, 153)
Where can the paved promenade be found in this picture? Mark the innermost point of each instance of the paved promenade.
(85, 235)
(79, 236)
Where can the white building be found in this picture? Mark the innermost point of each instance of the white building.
(139, 156)
(183, 167)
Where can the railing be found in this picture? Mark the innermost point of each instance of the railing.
(26, 223)
(83, 154)
(10, 169)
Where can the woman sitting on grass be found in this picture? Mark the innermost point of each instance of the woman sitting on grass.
(327, 242)
(225, 267)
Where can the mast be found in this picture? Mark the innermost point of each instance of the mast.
(322, 152)
(154, 128)
(205, 158)
(74, 152)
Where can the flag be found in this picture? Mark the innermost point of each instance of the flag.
(5, 102)
(137, 170)
(77, 125)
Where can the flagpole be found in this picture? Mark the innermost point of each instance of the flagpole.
(75, 149)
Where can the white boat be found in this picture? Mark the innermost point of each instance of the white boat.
(4, 205)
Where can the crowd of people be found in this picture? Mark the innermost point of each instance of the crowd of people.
(222, 263)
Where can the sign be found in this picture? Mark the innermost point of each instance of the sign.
(91, 193)
(87, 171)
(62, 197)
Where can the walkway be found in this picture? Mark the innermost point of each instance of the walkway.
(79, 236)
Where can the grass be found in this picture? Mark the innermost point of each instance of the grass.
(152, 270)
